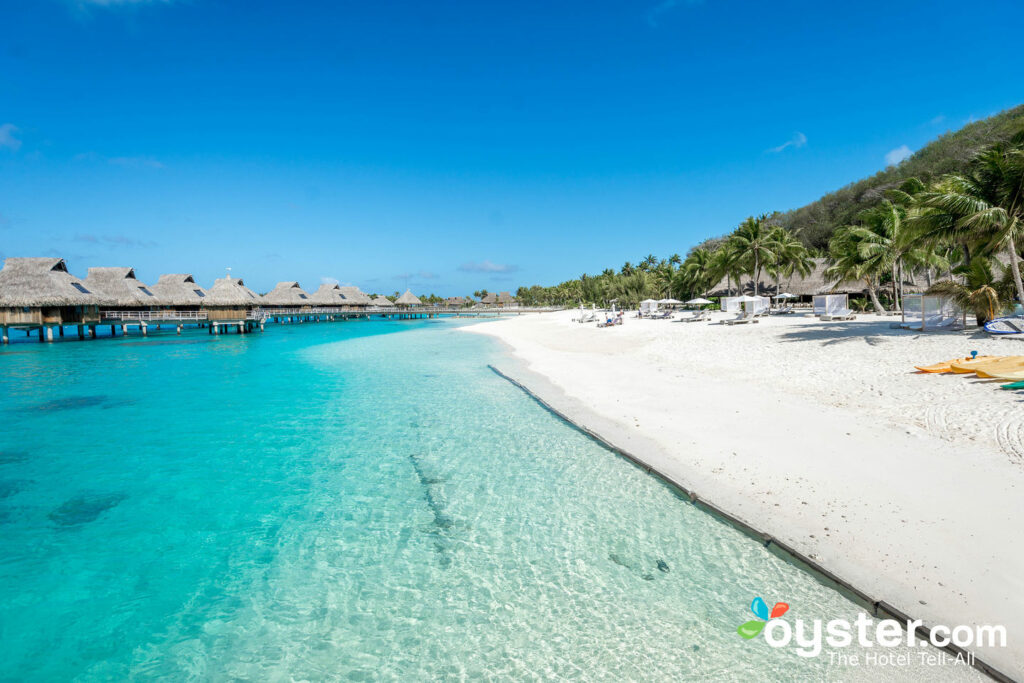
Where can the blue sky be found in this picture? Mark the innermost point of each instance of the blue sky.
(458, 146)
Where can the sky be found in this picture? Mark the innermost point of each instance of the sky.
(456, 146)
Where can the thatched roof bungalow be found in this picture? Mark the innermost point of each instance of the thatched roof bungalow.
(355, 296)
(286, 295)
(489, 299)
(41, 291)
(408, 300)
(815, 283)
(382, 301)
(179, 291)
(229, 299)
(117, 287)
(328, 295)
(505, 299)
(456, 301)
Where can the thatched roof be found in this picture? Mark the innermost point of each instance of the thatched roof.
(490, 298)
(178, 289)
(230, 291)
(286, 294)
(382, 301)
(327, 295)
(505, 298)
(42, 282)
(355, 296)
(456, 301)
(408, 299)
(815, 283)
(118, 286)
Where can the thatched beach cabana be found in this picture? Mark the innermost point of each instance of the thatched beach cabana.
(408, 300)
(805, 288)
(117, 287)
(40, 292)
(230, 299)
(287, 295)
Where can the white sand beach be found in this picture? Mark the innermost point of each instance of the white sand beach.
(821, 434)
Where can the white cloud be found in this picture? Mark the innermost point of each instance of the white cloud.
(329, 281)
(796, 142)
(7, 138)
(486, 266)
(897, 155)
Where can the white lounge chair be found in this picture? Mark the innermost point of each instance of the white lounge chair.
(742, 319)
(844, 314)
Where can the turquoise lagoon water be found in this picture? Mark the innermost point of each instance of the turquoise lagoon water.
(352, 501)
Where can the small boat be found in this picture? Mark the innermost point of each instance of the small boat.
(964, 366)
(941, 367)
(1013, 385)
(1008, 364)
(1005, 326)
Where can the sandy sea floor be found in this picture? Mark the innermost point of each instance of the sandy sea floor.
(821, 434)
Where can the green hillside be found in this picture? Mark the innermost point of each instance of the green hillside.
(947, 154)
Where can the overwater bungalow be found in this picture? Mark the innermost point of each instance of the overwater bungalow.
(40, 293)
(179, 292)
(328, 296)
(118, 288)
(382, 302)
(355, 296)
(287, 295)
(408, 300)
(230, 302)
(287, 301)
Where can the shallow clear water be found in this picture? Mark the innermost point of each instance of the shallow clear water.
(355, 501)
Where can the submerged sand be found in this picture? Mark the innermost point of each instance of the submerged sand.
(821, 434)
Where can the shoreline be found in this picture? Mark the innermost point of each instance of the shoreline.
(820, 491)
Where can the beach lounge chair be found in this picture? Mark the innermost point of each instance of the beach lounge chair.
(742, 319)
(696, 317)
(1001, 326)
(783, 310)
(844, 314)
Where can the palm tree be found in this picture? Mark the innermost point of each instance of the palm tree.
(627, 268)
(755, 241)
(846, 262)
(983, 208)
(697, 273)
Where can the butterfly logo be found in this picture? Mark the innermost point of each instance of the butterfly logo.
(751, 628)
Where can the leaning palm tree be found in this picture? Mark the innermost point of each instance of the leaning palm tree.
(697, 273)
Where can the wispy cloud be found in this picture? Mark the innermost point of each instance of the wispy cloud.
(895, 156)
(486, 266)
(796, 142)
(135, 162)
(654, 14)
(937, 120)
(114, 240)
(7, 139)
(419, 275)
(123, 162)
(329, 281)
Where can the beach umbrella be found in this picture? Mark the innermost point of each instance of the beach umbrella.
(669, 301)
(699, 301)
(786, 295)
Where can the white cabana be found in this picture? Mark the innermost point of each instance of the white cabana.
(648, 306)
(831, 304)
(748, 304)
(931, 312)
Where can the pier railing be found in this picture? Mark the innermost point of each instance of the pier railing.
(147, 316)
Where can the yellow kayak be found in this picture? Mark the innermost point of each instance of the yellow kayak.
(940, 367)
(1015, 375)
(1008, 364)
(965, 366)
